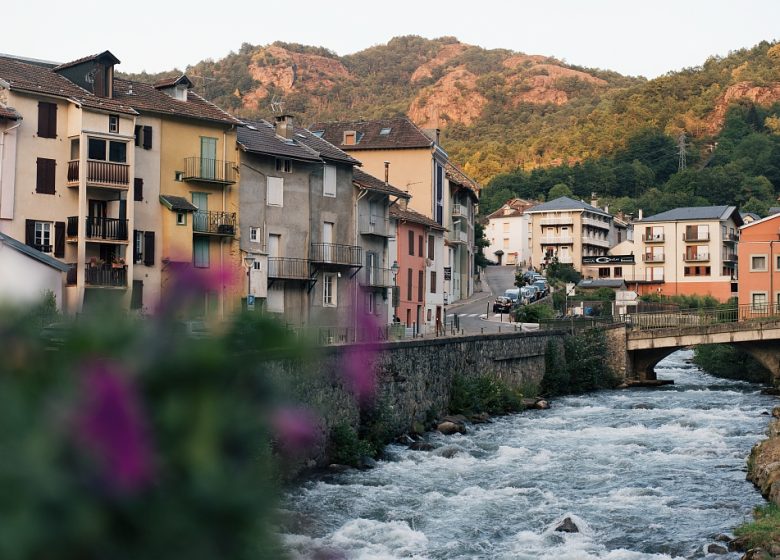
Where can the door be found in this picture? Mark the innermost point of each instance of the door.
(200, 218)
(96, 219)
(327, 240)
(274, 265)
(208, 157)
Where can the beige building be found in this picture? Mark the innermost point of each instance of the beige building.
(508, 231)
(568, 230)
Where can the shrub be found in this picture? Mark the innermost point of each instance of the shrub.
(471, 395)
(764, 530)
(533, 313)
(723, 360)
(346, 448)
(583, 367)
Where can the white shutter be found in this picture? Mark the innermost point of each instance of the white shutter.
(329, 181)
(275, 191)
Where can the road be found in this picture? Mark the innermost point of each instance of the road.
(496, 280)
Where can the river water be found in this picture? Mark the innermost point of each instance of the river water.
(645, 474)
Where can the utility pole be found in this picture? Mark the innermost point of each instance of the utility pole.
(682, 164)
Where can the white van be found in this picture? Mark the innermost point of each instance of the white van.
(513, 294)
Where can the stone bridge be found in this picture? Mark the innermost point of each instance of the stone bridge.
(646, 346)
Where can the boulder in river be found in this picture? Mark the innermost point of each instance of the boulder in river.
(757, 554)
(480, 418)
(713, 548)
(421, 446)
(567, 526)
(448, 428)
(365, 463)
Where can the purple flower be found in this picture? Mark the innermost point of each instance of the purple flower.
(111, 427)
(357, 360)
(296, 428)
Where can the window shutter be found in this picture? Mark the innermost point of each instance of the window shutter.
(29, 232)
(147, 137)
(420, 284)
(149, 248)
(59, 240)
(137, 295)
(275, 191)
(45, 176)
(138, 189)
(47, 120)
(409, 284)
(411, 243)
(420, 246)
(431, 247)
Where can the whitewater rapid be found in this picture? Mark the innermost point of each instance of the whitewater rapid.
(645, 473)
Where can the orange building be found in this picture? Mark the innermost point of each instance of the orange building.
(759, 263)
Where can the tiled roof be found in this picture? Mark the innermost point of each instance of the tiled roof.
(104, 54)
(690, 213)
(32, 252)
(170, 82)
(370, 182)
(566, 203)
(34, 78)
(260, 137)
(177, 203)
(774, 210)
(512, 208)
(9, 113)
(415, 217)
(456, 175)
(145, 98)
(400, 133)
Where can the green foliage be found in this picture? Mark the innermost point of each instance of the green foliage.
(692, 301)
(346, 448)
(724, 360)
(470, 395)
(562, 273)
(558, 190)
(764, 530)
(583, 367)
(533, 313)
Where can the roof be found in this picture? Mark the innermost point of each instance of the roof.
(36, 79)
(694, 213)
(146, 98)
(366, 181)
(9, 113)
(456, 175)
(260, 137)
(593, 284)
(566, 203)
(105, 54)
(34, 253)
(512, 208)
(174, 81)
(405, 214)
(774, 210)
(177, 203)
(400, 133)
(774, 216)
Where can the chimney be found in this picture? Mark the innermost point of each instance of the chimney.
(606, 208)
(387, 172)
(438, 136)
(640, 214)
(284, 126)
(594, 201)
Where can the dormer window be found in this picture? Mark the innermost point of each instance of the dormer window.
(350, 138)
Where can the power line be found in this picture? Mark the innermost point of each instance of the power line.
(682, 164)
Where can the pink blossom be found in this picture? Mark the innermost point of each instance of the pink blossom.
(296, 428)
(112, 429)
(357, 360)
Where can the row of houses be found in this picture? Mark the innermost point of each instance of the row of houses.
(117, 185)
(710, 250)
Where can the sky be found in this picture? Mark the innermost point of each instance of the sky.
(647, 38)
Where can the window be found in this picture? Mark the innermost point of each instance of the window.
(604, 272)
(138, 246)
(178, 176)
(284, 165)
(654, 273)
(420, 284)
(433, 281)
(137, 134)
(117, 151)
(697, 271)
(758, 263)
(370, 303)
(618, 272)
(47, 120)
(138, 189)
(44, 183)
(329, 290)
(137, 297)
(147, 137)
(181, 218)
(411, 243)
(42, 240)
(254, 234)
(432, 247)
(329, 181)
(758, 301)
(408, 284)
(697, 233)
(506, 243)
(505, 227)
(350, 138)
(385, 132)
(275, 191)
(777, 262)
(439, 194)
(200, 247)
(113, 124)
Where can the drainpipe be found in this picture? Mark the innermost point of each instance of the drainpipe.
(356, 292)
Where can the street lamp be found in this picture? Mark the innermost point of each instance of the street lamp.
(394, 269)
(249, 261)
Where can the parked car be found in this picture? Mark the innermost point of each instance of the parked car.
(513, 294)
(502, 305)
(544, 289)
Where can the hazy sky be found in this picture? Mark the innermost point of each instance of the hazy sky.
(645, 38)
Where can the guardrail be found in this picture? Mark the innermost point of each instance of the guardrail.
(702, 317)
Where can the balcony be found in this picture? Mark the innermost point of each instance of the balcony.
(375, 225)
(596, 241)
(457, 236)
(698, 257)
(288, 269)
(332, 253)
(214, 223)
(653, 238)
(557, 221)
(98, 228)
(556, 240)
(592, 222)
(376, 277)
(106, 276)
(100, 174)
(650, 258)
(730, 238)
(730, 257)
(209, 170)
(460, 211)
(693, 236)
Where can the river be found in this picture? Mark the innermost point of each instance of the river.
(645, 474)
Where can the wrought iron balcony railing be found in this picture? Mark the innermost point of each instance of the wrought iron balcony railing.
(99, 228)
(209, 170)
(217, 223)
(377, 277)
(100, 173)
(333, 253)
(106, 275)
(288, 268)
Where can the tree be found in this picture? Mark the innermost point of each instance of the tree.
(558, 190)
(562, 272)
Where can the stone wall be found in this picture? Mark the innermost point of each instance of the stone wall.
(414, 377)
(618, 358)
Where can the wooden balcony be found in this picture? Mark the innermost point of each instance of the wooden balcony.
(106, 276)
(214, 223)
(100, 174)
(287, 268)
(98, 229)
(333, 253)
(209, 170)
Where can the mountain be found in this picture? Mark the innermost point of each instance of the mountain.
(499, 110)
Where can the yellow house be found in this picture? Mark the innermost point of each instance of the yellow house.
(196, 189)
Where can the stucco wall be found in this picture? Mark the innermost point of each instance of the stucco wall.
(24, 280)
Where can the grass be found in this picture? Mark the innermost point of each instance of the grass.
(764, 530)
